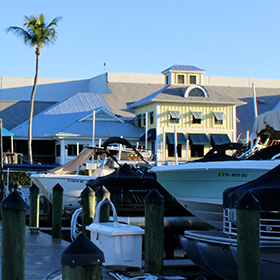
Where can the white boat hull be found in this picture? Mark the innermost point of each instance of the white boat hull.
(199, 186)
(72, 185)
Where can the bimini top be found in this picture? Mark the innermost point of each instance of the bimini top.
(268, 123)
(266, 189)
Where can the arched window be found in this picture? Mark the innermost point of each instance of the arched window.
(196, 91)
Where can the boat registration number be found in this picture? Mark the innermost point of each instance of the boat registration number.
(243, 175)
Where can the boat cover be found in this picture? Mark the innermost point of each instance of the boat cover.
(266, 189)
(70, 166)
(268, 121)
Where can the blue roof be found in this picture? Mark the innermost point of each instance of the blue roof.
(104, 129)
(183, 68)
(63, 114)
(6, 132)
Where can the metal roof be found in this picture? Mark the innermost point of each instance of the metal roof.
(183, 68)
(62, 115)
(175, 94)
(14, 113)
(104, 129)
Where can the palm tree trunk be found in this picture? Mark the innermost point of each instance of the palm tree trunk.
(32, 107)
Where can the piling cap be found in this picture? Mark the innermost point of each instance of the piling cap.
(57, 188)
(102, 192)
(248, 201)
(154, 196)
(33, 188)
(14, 202)
(88, 191)
(82, 252)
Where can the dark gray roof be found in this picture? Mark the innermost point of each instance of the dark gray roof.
(177, 94)
(14, 113)
(123, 94)
(183, 67)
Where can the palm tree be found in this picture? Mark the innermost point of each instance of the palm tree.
(36, 32)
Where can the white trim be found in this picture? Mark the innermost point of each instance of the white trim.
(89, 117)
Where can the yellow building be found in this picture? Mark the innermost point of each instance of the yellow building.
(200, 118)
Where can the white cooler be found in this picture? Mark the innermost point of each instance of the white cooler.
(121, 243)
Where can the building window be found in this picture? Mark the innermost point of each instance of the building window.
(197, 117)
(144, 119)
(138, 120)
(181, 79)
(196, 92)
(72, 149)
(219, 117)
(57, 150)
(197, 150)
(151, 115)
(171, 150)
(175, 116)
(167, 79)
(192, 79)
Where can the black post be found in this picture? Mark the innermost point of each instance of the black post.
(154, 232)
(57, 211)
(88, 208)
(101, 194)
(13, 237)
(82, 260)
(248, 237)
(34, 209)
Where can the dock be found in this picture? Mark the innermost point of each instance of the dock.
(43, 257)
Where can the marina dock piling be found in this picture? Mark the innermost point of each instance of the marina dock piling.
(248, 237)
(82, 260)
(13, 237)
(154, 232)
(101, 194)
(88, 206)
(34, 209)
(57, 211)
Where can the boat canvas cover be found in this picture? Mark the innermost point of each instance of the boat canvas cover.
(265, 188)
(268, 121)
(70, 166)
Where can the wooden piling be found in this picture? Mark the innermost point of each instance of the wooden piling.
(101, 194)
(154, 232)
(34, 209)
(88, 208)
(57, 211)
(248, 237)
(82, 260)
(13, 237)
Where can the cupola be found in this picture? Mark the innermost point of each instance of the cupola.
(183, 75)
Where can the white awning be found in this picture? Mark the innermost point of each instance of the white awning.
(198, 115)
(175, 114)
(220, 116)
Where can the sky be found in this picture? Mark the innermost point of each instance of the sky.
(226, 38)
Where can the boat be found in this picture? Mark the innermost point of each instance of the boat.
(199, 185)
(74, 183)
(129, 184)
(216, 251)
